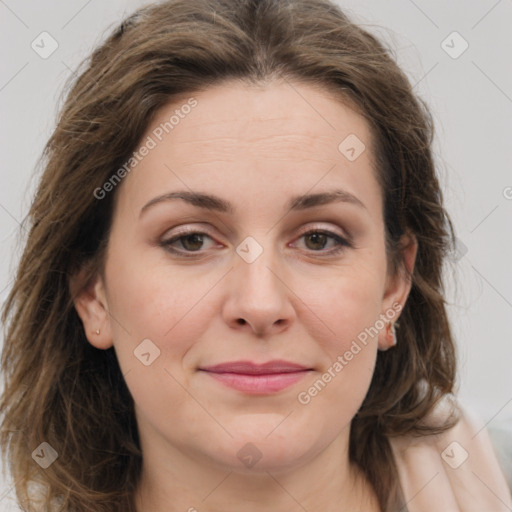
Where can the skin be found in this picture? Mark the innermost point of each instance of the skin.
(256, 147)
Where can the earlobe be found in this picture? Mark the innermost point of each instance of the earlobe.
(390, 336)
(92, 308)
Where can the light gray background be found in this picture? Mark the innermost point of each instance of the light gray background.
(470, 96)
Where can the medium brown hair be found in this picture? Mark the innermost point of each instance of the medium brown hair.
(58, 387)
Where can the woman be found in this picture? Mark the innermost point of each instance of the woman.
(238, 204)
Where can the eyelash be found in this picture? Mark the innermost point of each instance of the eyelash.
(343, 243)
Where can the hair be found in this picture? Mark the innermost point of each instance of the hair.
(58, 388)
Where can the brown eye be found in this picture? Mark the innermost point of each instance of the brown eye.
(318, 240)
(192, 242)
(189, 242)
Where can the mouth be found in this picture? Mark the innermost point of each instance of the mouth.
(257, 379)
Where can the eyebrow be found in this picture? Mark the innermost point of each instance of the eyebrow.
(215, 203)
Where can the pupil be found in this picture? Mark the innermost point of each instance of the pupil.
(196, 239)
(318, 238)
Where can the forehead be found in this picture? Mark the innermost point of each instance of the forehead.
(235, 132)
(251, 112)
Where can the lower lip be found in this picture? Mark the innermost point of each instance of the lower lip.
(258, 384)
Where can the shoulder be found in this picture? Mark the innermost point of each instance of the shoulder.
(456, 471)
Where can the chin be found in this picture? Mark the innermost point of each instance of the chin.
(262, 444)
(253, 458)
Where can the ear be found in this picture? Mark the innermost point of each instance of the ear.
(398, 287)
(90, 302)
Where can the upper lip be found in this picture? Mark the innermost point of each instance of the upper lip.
(250, 368)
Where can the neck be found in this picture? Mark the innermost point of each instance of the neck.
(181, 482)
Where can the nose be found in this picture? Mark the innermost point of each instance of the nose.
(258, 297)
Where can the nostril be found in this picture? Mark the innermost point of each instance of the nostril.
(241, 321)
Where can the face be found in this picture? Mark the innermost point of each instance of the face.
(284, 264)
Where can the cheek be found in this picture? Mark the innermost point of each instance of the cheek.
(347, 340)
(152, 302)
(345, 328)
(170, 310)
(347, 304)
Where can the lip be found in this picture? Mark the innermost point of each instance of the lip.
(250, 368)
(254, 378)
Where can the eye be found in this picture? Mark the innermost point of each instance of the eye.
(193, 242)
(190, 241)
(318, 239)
